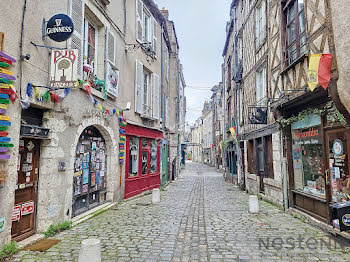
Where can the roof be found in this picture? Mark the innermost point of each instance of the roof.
(234, 2)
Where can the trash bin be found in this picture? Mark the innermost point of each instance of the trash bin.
(341, 215)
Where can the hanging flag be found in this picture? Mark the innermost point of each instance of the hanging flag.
(319, 70)
(233, 132)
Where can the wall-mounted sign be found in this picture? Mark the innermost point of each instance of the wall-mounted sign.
(257, 115)
(338, 147)
(60, 27)
(16, 214)
(34, 131)
(64, 66)
(112, 80)
(27, 208)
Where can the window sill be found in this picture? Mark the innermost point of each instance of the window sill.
(97, 93)
(298, 60)
(144, 116)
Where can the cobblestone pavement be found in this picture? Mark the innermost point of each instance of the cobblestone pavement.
(200, 218)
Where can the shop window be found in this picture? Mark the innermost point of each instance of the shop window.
(144, 167)
(307, 153)
(295, 33)
(338, 143)
(154, 156)
(134, 157)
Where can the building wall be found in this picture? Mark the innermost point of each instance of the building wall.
(70, 117)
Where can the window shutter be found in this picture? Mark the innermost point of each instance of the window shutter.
(139, 20)
(77, 14)
(155, 108)
(110, 46)
(138, 87)
(154, 39)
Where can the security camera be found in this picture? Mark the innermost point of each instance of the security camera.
(128, 106)
(27, 57)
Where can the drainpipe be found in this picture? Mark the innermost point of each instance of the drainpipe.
(284, 175)
(21, 50)
(178, 114)
(162, 80)
(224, 121)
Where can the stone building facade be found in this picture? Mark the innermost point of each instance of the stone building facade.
(127, 37)
(288, 135)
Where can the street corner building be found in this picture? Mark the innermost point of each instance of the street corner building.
(285, 76)
(92, 86)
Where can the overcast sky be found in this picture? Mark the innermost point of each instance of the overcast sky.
(200, 27)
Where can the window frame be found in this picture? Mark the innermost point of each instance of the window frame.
(260, 97)
(288, 59)
(260, 27)
(88, 21)
(146, 107)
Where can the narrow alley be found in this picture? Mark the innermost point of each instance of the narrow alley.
(200, 218)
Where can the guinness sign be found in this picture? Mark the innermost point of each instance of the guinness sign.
(60, 27)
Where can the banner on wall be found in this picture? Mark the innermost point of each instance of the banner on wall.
(64, 67)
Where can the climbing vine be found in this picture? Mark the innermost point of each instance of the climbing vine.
(333, 116)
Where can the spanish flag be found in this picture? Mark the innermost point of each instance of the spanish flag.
(319, 70)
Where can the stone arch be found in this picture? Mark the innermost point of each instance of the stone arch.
(110, 138)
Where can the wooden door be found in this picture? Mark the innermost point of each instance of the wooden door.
(23, 220)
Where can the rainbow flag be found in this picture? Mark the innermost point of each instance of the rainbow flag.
(319, 70)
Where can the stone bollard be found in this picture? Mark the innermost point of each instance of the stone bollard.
(90, 250)
(253, 204)
(155, 196)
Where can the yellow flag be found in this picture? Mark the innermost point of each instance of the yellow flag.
(312, 75)
(233, 133)
(37, 92)
(99, 106)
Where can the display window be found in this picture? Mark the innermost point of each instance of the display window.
(308, 156)
(134, 157)
(337, 146)
(154, 149)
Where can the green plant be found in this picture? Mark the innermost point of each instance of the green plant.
(55, 229)
(333, 116)
(9, 250)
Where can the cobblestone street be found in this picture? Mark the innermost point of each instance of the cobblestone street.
(200, 218)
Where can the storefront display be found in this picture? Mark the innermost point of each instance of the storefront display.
(89, 181)
(142, 170)
(308, 156)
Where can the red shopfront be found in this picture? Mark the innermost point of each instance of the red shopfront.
(142, 169)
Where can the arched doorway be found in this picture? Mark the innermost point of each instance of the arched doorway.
(90, 169)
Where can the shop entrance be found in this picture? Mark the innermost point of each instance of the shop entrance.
(89, 181)
(23, 217)
(338, 175)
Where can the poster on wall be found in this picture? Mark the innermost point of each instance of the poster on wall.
(64, 66)
(85, 176)
(16, 214)
(112, 81)
(27, 208)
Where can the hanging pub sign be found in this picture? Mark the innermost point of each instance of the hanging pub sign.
(59, 28)
(64, 66)
(257, 115)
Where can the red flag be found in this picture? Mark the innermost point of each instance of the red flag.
(324, 70)
(54, 98)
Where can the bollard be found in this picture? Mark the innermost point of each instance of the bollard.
(155, 196)
(253, 204)
(90, 250)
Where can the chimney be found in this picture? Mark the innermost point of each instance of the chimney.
(165, 12)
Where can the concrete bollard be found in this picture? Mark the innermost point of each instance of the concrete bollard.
(90, 250)
(253, 204)
(155, 196)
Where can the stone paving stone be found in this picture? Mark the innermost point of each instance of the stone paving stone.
(200, 218)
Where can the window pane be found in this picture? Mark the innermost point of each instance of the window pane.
(300, 5)
(291, 14)
(144, 142)
(153, 156)
(134, 157)
(291, 33)
(144, 162)
(261, 160)
(301, 22)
